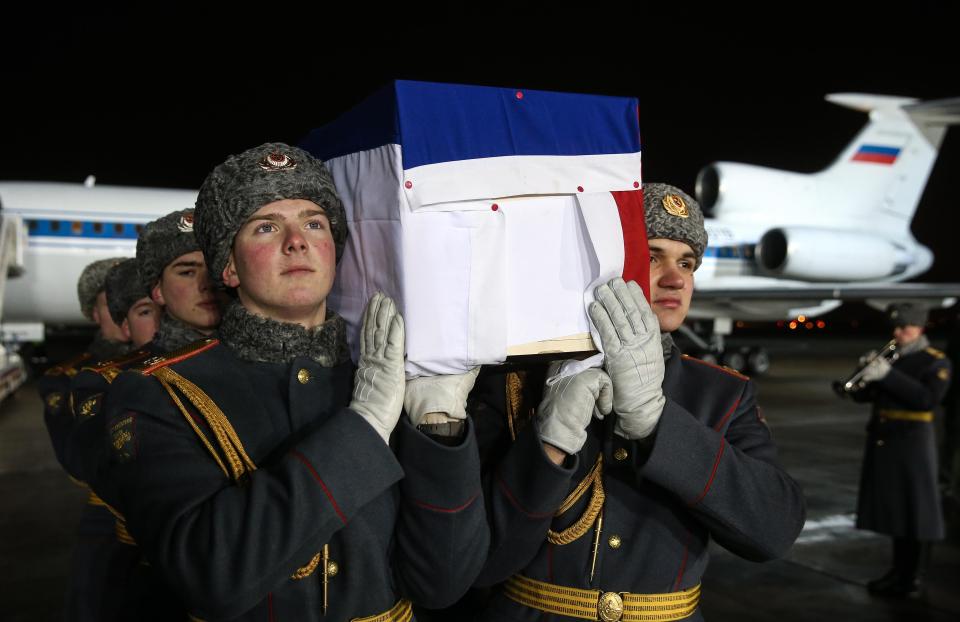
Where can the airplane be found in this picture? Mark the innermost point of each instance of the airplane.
(51, 231)
(766, 261)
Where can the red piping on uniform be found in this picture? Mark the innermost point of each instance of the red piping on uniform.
(516, 504)
(317, 477)
(177, 359)
(729, 372)
(716, 464)
(727, 416)
(683, 564)
(436, 508)
(270, 615)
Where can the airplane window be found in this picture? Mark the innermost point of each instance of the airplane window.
(32, 225)
(98, 227)
(54, 225)
(76, 228)
(139, 229)
(118, 228)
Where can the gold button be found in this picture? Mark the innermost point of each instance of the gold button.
(332, 569)
(620, 454)
(614, 541)
(303, 376)
(879, 443)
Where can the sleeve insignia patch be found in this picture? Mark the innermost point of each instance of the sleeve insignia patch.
(89, 407)
(943, 374)
(54, 400)
(123, 439)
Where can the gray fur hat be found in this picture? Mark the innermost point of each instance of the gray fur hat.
(91, 282)
(162, 241)
(906, 314)
(673, 214)
(244, 183)
(124, 288)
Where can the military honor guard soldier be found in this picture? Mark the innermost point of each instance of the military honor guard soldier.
(899, 495)
(170, 268)
(95, 537)
(604, 505)
(254, 469)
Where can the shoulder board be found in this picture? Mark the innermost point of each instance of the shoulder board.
(68, 367)
(190, 350)
(937, 354)
(727, 370)
(112, 368)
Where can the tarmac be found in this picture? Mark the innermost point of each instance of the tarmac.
(820, 438)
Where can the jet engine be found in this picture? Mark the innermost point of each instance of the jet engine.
(817, 254)
(752, 187)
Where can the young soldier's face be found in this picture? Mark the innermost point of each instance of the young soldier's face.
(907, 334)
(185, 290)
(143, 319)
(283, 262)
(671, 281)
(108, 328)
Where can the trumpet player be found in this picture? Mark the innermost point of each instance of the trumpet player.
(898, 481)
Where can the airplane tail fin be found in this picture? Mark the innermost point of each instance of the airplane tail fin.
(881, 174)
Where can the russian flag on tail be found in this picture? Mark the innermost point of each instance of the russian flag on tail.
(877, 154)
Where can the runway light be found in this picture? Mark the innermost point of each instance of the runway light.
(793, 326)
(779, 323)
(740, 324)
(821, 324)
(801, 318)
(808, 325)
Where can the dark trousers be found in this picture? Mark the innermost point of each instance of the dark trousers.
(910, 559)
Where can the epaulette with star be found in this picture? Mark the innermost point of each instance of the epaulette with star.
(190, 350)
(937, 354)
(723, 368)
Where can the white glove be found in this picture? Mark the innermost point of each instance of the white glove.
(378, 385)
(568, 404)
(877, 370)
(438, 399)
(633, 355)
(866, 357)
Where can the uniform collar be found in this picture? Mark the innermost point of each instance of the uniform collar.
(920, 343)
(103, 349)
(174, 334)
(256, 338)
(672, 358)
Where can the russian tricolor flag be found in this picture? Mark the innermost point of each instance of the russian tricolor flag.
(488, 214)
(877, 154)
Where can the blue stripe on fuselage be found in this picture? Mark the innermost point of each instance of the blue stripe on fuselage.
(82, 229)
(739, 251)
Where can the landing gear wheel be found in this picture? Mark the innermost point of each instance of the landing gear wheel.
(734, 359)
(758, 361)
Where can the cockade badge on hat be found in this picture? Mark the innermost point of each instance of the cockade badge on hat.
(277, 161)
(675, 205)
(185, 225)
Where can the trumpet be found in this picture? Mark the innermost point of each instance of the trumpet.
(855, 381)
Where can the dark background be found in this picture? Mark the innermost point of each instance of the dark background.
(159, 98)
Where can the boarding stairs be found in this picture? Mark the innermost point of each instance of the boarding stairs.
(13, 242)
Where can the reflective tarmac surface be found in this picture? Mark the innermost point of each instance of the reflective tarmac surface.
(820, 439)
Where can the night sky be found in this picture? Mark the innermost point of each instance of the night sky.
(159, 99)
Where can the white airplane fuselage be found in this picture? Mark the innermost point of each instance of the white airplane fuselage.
(68, 226)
